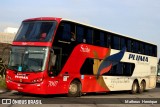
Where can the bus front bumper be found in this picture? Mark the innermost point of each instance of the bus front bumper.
(34, 88)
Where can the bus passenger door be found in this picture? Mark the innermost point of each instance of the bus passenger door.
(55, 83)
(55, 61)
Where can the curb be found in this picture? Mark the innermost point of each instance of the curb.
(3, 91)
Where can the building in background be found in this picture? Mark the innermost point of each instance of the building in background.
(11, 30)
(6, 37)
(5, 44)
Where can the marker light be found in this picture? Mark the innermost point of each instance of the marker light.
(37, 80)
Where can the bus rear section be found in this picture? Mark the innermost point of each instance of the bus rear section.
(158, 73)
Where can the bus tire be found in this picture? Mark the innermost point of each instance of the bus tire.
(74, 89)
(134, 87)
(141, 87)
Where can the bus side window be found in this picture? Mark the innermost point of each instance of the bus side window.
(113, 70)
(123, 43)
(116, 42)
(102, 39)
(65, 35)
(151, 50)
(87, 67)
(66, 32)
(129, 45)
(96, 37)
(135, 47)
(79, 33)
(108, 40)
(141, 48)
(119, 70)
(89, 36)
(147, 49)
(99, 39)
(129, 68)
(155, 51)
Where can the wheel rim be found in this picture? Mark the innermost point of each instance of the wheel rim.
(135, 87)
(73, 88)
(142, 86)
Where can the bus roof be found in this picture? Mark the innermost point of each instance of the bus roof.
(43, 19)
(105, 30)
(61, 19)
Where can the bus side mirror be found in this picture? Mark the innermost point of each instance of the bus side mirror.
(52, 64)
(53, 59)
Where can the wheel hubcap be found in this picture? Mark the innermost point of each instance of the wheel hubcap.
(73, 88)
(135, 87)
(142, 86)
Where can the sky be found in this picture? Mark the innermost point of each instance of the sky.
(135, 18)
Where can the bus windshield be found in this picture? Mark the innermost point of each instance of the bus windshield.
(30, 59)
(36, 31)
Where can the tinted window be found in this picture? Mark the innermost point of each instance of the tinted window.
(123, 44)
(96, 36)
(108, 40)
(103, 39)
(121, 69)
(79, 33)
(36, 31)
(155, 51)
(116, 42)
(64, 32)
(129, 45)
(87, 67)
(128, 67)
(89, 36)
(146, 49)
(141, 48)
(150, 50)
(135, 47)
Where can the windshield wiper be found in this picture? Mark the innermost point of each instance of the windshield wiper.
(26, 68)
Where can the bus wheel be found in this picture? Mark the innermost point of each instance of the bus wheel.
(134, 87)
(74, 89)
(142, 87)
